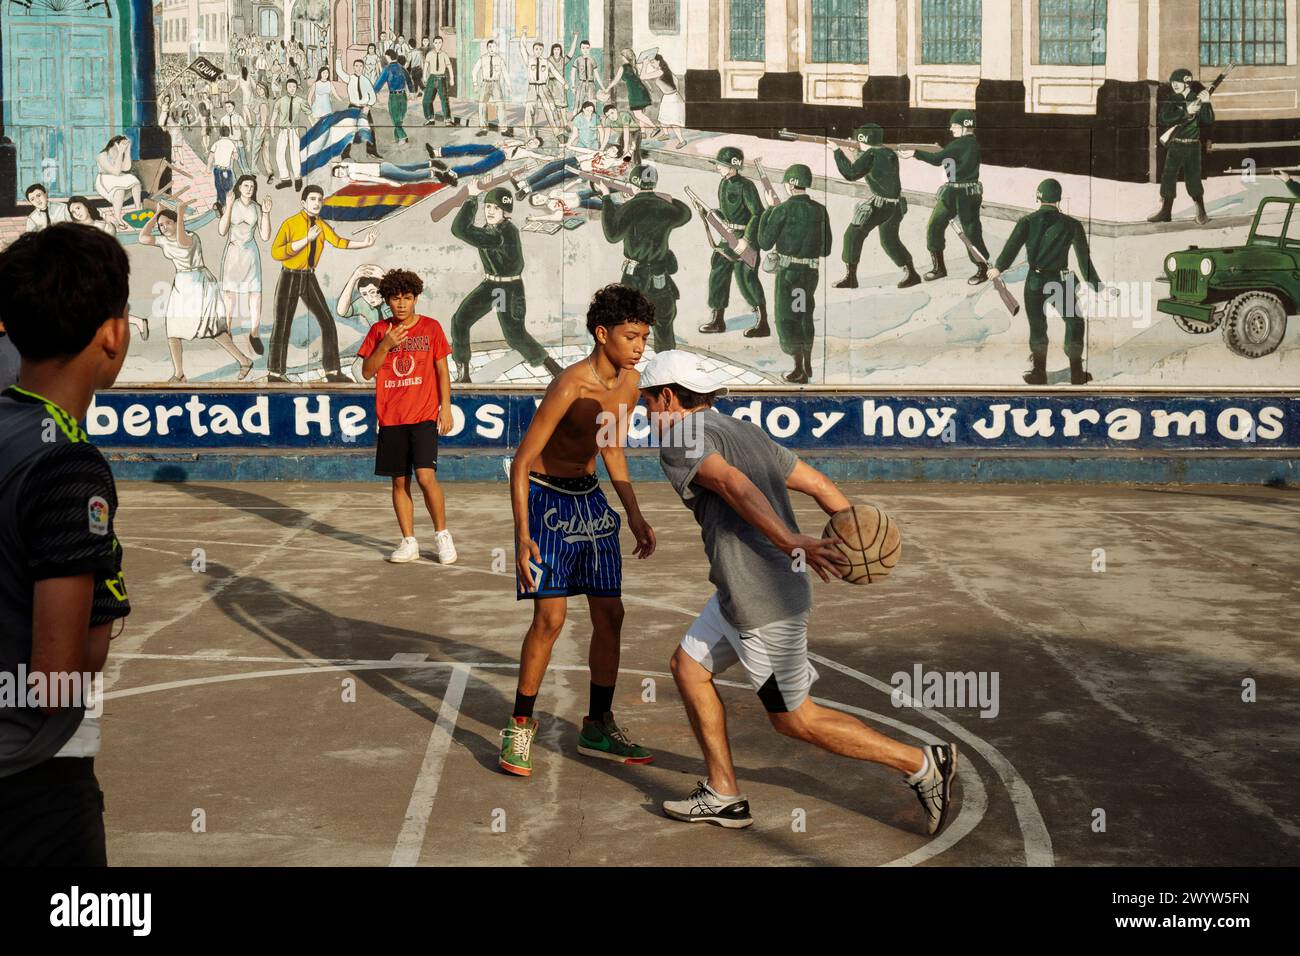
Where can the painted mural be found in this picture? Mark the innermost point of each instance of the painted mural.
(914, 193)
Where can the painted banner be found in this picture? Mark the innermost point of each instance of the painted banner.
(340, 419)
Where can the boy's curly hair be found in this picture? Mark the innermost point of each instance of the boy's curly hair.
(615, 304)
(400, 281)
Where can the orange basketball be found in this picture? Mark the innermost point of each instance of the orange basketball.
(869, 540)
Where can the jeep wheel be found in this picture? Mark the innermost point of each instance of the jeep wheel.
(1255, 324)
(1198, 328)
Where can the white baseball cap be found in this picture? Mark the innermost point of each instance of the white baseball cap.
(679, 367)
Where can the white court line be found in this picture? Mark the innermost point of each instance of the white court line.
(970, 813)
(1038, 842)
(411, 840)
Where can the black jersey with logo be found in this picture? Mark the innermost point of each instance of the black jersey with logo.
(57, 502)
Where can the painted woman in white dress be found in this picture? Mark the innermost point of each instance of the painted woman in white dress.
(243, 220)
(195, 308)
(370, 66)
(115, 179)
(672, 109)
(322, 94)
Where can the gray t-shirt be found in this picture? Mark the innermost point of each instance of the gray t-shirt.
(756, 582)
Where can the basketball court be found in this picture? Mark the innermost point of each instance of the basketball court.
(283, 695)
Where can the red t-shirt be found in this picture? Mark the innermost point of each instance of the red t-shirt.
(406, 385)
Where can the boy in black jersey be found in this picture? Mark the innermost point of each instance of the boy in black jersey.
(63, 303)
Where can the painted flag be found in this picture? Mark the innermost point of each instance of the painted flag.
(206, 69)
(326, 140)
(367, 202)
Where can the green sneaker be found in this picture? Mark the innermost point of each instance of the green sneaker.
(605, 739)
(517, 747)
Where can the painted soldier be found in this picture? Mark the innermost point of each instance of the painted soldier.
(502, 287)
(1190, 113)
(1048, 235)
(798, 231)
(643, 224)
(883, 210)
(960, 197)
(739, 208)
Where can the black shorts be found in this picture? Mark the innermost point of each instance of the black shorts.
(53, 815)
(403, 447)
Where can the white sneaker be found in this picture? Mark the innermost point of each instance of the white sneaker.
(408, 550)
(446, 549)
(705, 806)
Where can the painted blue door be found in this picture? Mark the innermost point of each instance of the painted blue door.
(62, 96)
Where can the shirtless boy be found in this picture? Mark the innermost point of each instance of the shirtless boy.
(566, 534)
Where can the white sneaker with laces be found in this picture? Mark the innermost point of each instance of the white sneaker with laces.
(408, 550)
(705, 806)
(446, 549)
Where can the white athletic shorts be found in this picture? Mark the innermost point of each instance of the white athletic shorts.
(775, 656)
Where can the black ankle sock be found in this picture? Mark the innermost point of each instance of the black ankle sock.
(524, 704)
(602, 701)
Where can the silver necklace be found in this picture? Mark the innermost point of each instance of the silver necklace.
(608, 387)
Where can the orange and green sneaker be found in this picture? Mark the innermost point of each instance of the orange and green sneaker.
(605, 739)
(517, 746)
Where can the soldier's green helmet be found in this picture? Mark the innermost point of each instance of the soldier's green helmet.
(730, 156)
(1049, 190)
(644, 176)
(799, 174)
(1180, 75)
(871, 132)
(498, 196)
(963, 118)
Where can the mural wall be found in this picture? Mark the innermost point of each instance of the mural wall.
(905, 193)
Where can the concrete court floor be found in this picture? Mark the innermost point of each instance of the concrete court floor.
(1119, 691)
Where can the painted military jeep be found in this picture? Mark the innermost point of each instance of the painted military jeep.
(1247, 290)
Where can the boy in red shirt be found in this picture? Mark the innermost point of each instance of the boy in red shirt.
(408, 354)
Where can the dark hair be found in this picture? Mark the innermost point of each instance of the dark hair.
(33, 188)
(585, 43)
(112, 142)
(325, 70)
(616, 304)
(538, 43)
(290, 79)
(91, 211)
(667, 72)
(585, 105)
(243, 72)
(608, 107)
(246, 178)
(399, 282)
(367, 280)
(166, 214)
(557, 46)
(685, 397)
(58, 286)
(308, 190)
(391, 54)
(230, 103)
(225, 131)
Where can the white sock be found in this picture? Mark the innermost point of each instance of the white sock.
(730, 798)
(925, 768)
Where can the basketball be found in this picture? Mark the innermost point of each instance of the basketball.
(869, 540)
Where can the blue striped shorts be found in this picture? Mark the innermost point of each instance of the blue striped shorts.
(577, 536)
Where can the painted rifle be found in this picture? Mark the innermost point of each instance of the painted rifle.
(750, 256)
(1008, 299)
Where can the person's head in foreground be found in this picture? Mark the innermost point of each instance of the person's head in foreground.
(498, 203)
(620, 320)
(676, 383)
(401, 289)
(63, 303)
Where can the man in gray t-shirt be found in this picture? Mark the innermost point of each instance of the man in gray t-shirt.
(736, 480)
